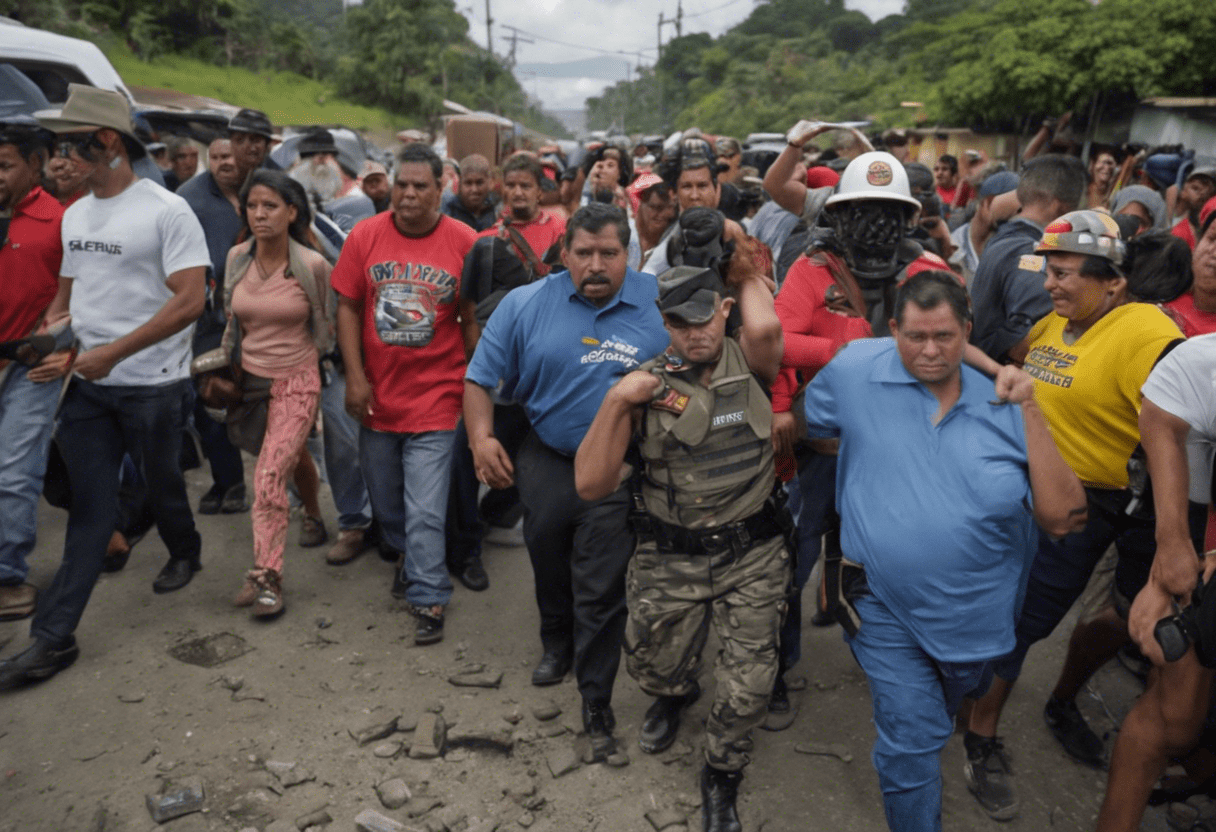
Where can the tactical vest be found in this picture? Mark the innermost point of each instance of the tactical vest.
(707, 451)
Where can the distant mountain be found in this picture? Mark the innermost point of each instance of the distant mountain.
(605, 67)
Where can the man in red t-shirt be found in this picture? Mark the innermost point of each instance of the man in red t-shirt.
(953, 191)
(1195, 310)
(1194, 198)
(398, 283)
(29, 261)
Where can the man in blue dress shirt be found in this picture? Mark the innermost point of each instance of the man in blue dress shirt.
(555, 346)
(939, 488)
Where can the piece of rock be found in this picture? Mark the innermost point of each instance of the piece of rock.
(480, 736)
(428, 737)
(210, 651)
(132, 696)
(281, 826)
(513, 717)
(422, 803)
(546, 712)
(481, 679)
(619, 759)
(378, 729)
(387, 750)
(289, 774)
(372, 821)
(678, 751)
(315, 818)
(553, 729)
(662, 819)
(407, 722)
(176, 799)
(519, 788)
(833, 749)
(562, 761)
(526, 819)
(434, 708)
(487, 825)
(393, 793)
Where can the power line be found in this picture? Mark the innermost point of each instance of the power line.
(582, 46)
(715, 8)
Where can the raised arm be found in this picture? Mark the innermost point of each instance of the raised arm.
(760, 335)
(597, 465)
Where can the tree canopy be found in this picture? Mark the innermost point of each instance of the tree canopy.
(994, 64)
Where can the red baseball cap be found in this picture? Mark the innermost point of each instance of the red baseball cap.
(1205, 215)
(821, 177)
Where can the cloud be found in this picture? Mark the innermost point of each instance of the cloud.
(571, 30)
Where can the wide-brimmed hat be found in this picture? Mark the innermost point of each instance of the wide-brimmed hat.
(252, 121)
(89, 107)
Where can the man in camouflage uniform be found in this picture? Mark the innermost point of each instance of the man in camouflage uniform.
(711, 535)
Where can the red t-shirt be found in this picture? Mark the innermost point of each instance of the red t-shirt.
(1183, 231)
(1192, 321)
(413, 353)
(947, 196)
(541, 233)
(29, 263)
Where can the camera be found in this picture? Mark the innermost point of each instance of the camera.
(1176, 633)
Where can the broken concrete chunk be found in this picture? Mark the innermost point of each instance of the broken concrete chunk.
(428, 737)
(281, 826)
(289, 774)
(480, 736)
(677, 752)
(662, 819)
(480, 679)
(366, 732)
(210, 651)
(833, 749)
(371, 821)
(317, 817)
(387, 750)
(393, 793)
(562, 761)
(553, 729)
(176, 799)
(546, 712)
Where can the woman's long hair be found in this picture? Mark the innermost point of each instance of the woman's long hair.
(292, 193)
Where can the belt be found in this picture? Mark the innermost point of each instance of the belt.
(737, 537)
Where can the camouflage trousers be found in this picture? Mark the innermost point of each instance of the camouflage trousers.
(673, 599)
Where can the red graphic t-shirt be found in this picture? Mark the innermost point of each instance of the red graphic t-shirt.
(541, 233)
(413, 354)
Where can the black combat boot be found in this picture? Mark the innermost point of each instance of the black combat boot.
(718, 791)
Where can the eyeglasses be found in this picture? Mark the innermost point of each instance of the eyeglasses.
(82, 143)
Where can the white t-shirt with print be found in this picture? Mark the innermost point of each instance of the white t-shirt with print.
(119, 252)
(1183, 384)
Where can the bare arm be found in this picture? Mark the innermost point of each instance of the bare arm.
(360, 403)
(490, 459)
(779, 183)
(1060, 505)
(760, 335)
(597, 465)
(181, 310)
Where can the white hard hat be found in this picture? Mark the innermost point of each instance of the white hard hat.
(874, 175)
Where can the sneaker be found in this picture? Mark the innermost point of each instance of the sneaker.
(1070, 728)
(350, 544)
(312, 531)
(988, 771)
(211, 502)
(428, 628)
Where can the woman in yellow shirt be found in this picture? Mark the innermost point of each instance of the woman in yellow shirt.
(1089, 359)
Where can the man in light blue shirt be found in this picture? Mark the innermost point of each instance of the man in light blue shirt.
(555, 346)
(939, 489)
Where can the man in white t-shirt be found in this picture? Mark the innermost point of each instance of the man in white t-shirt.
(136, 257)
(1178, 432)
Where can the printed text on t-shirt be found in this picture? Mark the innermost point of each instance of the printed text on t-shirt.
(1049, 364)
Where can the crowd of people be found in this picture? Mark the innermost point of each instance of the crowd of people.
(691, 378)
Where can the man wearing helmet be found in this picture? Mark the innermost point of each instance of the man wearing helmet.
(1089, 358)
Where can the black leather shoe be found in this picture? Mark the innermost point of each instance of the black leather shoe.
(211, 502)
(719, 789)
(235, 500)
(41, 660)
(474, 576)
(552, 668)
(599, 722)
(177, 573)
(779, 701)
(662, 721)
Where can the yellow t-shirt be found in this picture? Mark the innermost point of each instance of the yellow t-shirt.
(1089, 390)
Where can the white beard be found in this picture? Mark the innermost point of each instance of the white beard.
(320, 177)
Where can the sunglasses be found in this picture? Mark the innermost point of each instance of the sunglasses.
(82, 143)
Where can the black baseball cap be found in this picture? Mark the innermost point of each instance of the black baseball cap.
(689, 293)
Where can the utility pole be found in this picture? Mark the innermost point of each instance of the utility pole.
(515, 38)
(489, 22)
(661, 22)
(679, 18)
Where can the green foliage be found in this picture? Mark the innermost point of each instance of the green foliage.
(987, 63)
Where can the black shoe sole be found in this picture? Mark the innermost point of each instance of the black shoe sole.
(428, 638)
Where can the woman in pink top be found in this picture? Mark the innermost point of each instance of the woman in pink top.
(281, 314)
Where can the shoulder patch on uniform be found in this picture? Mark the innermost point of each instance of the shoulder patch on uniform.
(1032, 262)
(674, 401)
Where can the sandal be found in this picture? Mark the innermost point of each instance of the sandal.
(269, 601)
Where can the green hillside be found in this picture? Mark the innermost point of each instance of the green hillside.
(286, 97)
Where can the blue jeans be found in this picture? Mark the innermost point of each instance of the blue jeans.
(915, 698)
(407, 477)
(812, 494)
(27, 412)
(98, 424)
(342, 469)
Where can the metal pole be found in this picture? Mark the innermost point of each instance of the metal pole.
(489, 22)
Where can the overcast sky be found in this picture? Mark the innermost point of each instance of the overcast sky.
(573, 30)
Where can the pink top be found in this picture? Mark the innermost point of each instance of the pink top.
(274, 313)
